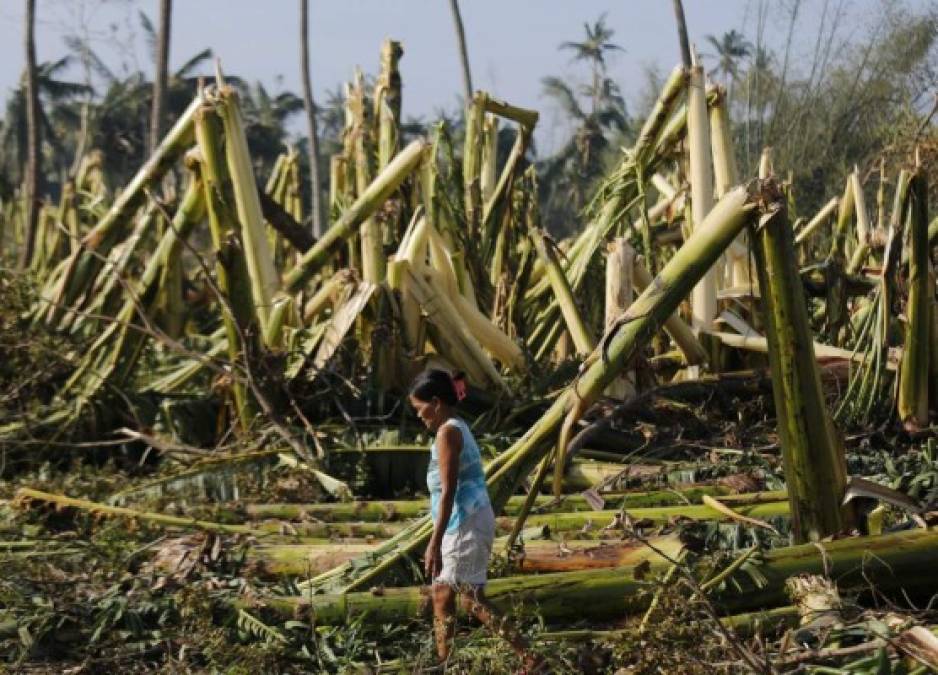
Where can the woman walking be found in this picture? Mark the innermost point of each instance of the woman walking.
(457, 556)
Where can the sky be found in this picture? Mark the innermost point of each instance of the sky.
(512, 43)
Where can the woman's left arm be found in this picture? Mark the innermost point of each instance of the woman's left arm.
(448, 447)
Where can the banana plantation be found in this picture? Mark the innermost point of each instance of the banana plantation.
(702, 368)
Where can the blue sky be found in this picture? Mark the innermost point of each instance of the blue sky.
(512, 43)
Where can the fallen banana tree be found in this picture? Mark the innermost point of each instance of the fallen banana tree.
(392, 510)
(537, 555)
(893, 562)
(621, 342)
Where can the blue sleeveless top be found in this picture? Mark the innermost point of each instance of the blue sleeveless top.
(471, 491)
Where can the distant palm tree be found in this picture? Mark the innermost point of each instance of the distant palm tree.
(568, 176)
(730, 49)
(593, 50)
(265, 119)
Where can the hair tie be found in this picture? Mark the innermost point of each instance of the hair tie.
(459, 386)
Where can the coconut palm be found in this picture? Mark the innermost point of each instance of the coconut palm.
(568, 176)
(593, 50)
(729, 49)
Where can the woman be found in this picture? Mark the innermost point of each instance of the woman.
(457, 556)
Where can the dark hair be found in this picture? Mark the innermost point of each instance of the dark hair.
(439, 384)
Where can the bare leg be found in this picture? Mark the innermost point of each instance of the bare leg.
(444, 623)
(476, 604)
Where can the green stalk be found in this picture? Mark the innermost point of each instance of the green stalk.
(726, 175)
(584, 521)
(489, 172)
(260, 263)
(384, 184)
(25, 495)
(571, 314)
(112, 357)
(387, 102)
(86, 261)
(844, 215)
(862, 252)
(704, 296)
(815, 468)
(231, 271)
(819, 219)
(912, 400)
(392, 510)
(472, 161)
(620, 263)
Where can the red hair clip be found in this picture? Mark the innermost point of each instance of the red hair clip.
(459, 386)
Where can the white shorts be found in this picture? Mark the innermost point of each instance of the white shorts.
(466, 551)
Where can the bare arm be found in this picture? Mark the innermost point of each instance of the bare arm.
(448, 445)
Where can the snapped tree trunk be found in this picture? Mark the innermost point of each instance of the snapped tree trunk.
(912, 401)
(815, 467)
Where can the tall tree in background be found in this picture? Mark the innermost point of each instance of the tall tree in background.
(593, 50)
(310, 120)
(33, 139)
(159, 81)
(729, 49)
(682, 33)
(463, 51)
(569, 176)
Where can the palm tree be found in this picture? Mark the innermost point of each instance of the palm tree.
(569, 174)
(33, 135)
(593, 50)
(310, 107)
(463, 51)
(161, 59)
(730, 49)
(758, 80)
(265, 119)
